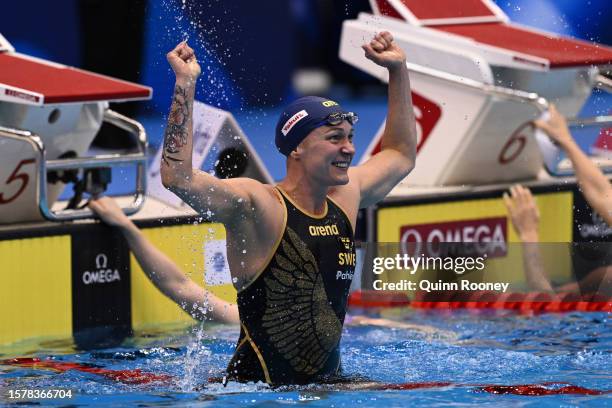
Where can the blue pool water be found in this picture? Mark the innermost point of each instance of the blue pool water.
(469, 350)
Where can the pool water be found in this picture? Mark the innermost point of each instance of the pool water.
(483, 348)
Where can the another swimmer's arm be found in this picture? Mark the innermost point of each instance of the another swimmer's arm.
(172, 281)
(395, 161)
(162, 271)
(598, 281)
(525, 218)
(393, 324)
(594, 184)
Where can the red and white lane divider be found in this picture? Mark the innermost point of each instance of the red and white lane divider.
(138, 377)
(521, 302)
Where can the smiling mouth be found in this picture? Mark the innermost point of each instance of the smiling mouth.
(341, 164)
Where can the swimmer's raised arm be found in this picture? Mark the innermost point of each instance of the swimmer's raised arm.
(594, 184)
(377, 177)
(219, 200)
(162, 271)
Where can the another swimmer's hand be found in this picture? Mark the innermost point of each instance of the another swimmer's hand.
(523, 212)
(383, 51)
(183, 61)
(556, 127)
(109, 212)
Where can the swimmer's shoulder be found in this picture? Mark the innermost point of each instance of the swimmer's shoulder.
(253, 201)
(255, 190)
(268, 218)
(263, 198)
(268, 195)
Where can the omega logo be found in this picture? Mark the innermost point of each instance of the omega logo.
(102, 274)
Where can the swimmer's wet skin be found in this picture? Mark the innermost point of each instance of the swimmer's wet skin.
(292, 298)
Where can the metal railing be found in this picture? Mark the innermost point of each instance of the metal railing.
(509, 93)
(599, 81)
(603, 82)
(109, 160)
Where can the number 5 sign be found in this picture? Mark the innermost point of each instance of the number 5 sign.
(18, 176)
(17, 182)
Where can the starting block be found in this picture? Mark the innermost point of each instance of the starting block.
(49, 115)
(477, 83)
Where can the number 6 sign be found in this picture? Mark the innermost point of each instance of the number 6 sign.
(514, 146)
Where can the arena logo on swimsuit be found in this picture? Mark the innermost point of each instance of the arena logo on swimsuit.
(484, 236)
(323, 230)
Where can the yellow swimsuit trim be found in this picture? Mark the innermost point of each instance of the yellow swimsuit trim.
(296, 205)
(264, 367)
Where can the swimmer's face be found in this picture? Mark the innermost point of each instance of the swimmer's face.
(326, 153)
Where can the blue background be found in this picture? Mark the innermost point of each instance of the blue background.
(249, 51)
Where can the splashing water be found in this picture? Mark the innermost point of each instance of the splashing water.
(196, 353)
(548, 360)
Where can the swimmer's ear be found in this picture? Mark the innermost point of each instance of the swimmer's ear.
(296, 153)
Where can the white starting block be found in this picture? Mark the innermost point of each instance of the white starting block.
(478, 81)
(49, 115)
(220, 147)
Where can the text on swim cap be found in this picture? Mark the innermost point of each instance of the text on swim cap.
(293, 120)
(327, 104)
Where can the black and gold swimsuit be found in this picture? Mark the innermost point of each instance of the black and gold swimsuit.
(293, 311)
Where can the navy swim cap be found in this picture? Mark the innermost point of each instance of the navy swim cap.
(301, 117)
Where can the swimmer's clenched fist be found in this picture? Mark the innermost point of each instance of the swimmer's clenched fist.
(383, 51)
(184, 63)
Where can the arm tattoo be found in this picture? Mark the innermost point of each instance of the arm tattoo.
(175, 135)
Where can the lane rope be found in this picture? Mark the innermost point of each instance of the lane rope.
(523, 302)
(139, 377)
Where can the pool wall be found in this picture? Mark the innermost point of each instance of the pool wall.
(62, 280)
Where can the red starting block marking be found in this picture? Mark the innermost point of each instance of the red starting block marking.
(483, 22)
(36, 82)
